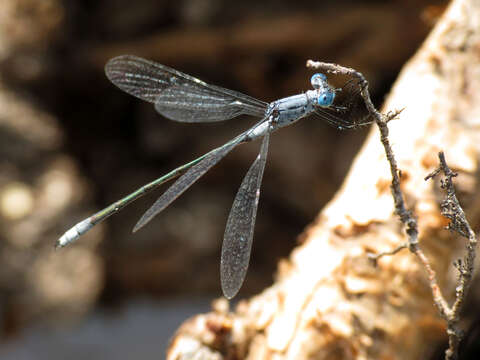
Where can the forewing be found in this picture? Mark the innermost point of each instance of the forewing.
(139, 77)
(193, 104)
(177, 94)
(237, 242)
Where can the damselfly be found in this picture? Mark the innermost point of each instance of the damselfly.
(181, 97)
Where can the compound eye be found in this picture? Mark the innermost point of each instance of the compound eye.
(318, 80)
(326, 99)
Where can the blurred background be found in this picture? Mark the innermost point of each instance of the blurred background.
(71, 143)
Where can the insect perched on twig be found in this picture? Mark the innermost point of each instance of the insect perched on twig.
(181, 97)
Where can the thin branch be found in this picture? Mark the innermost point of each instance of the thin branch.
(375, 257)
(381, 120)
(452, 210)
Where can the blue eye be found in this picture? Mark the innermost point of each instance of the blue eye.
(319, 75)
(318, 80)
(326, 99)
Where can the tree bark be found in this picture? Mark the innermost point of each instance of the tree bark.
(328, 301)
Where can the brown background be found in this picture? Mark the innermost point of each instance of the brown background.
(73, 143)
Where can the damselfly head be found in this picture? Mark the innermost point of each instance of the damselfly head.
(325, 94)
(339, 101)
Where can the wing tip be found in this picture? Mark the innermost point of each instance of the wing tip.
(229, 292)
(116, 63)
(138, 226)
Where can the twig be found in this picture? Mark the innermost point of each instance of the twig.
(450, 208)
(374, 257)
(381, 120)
